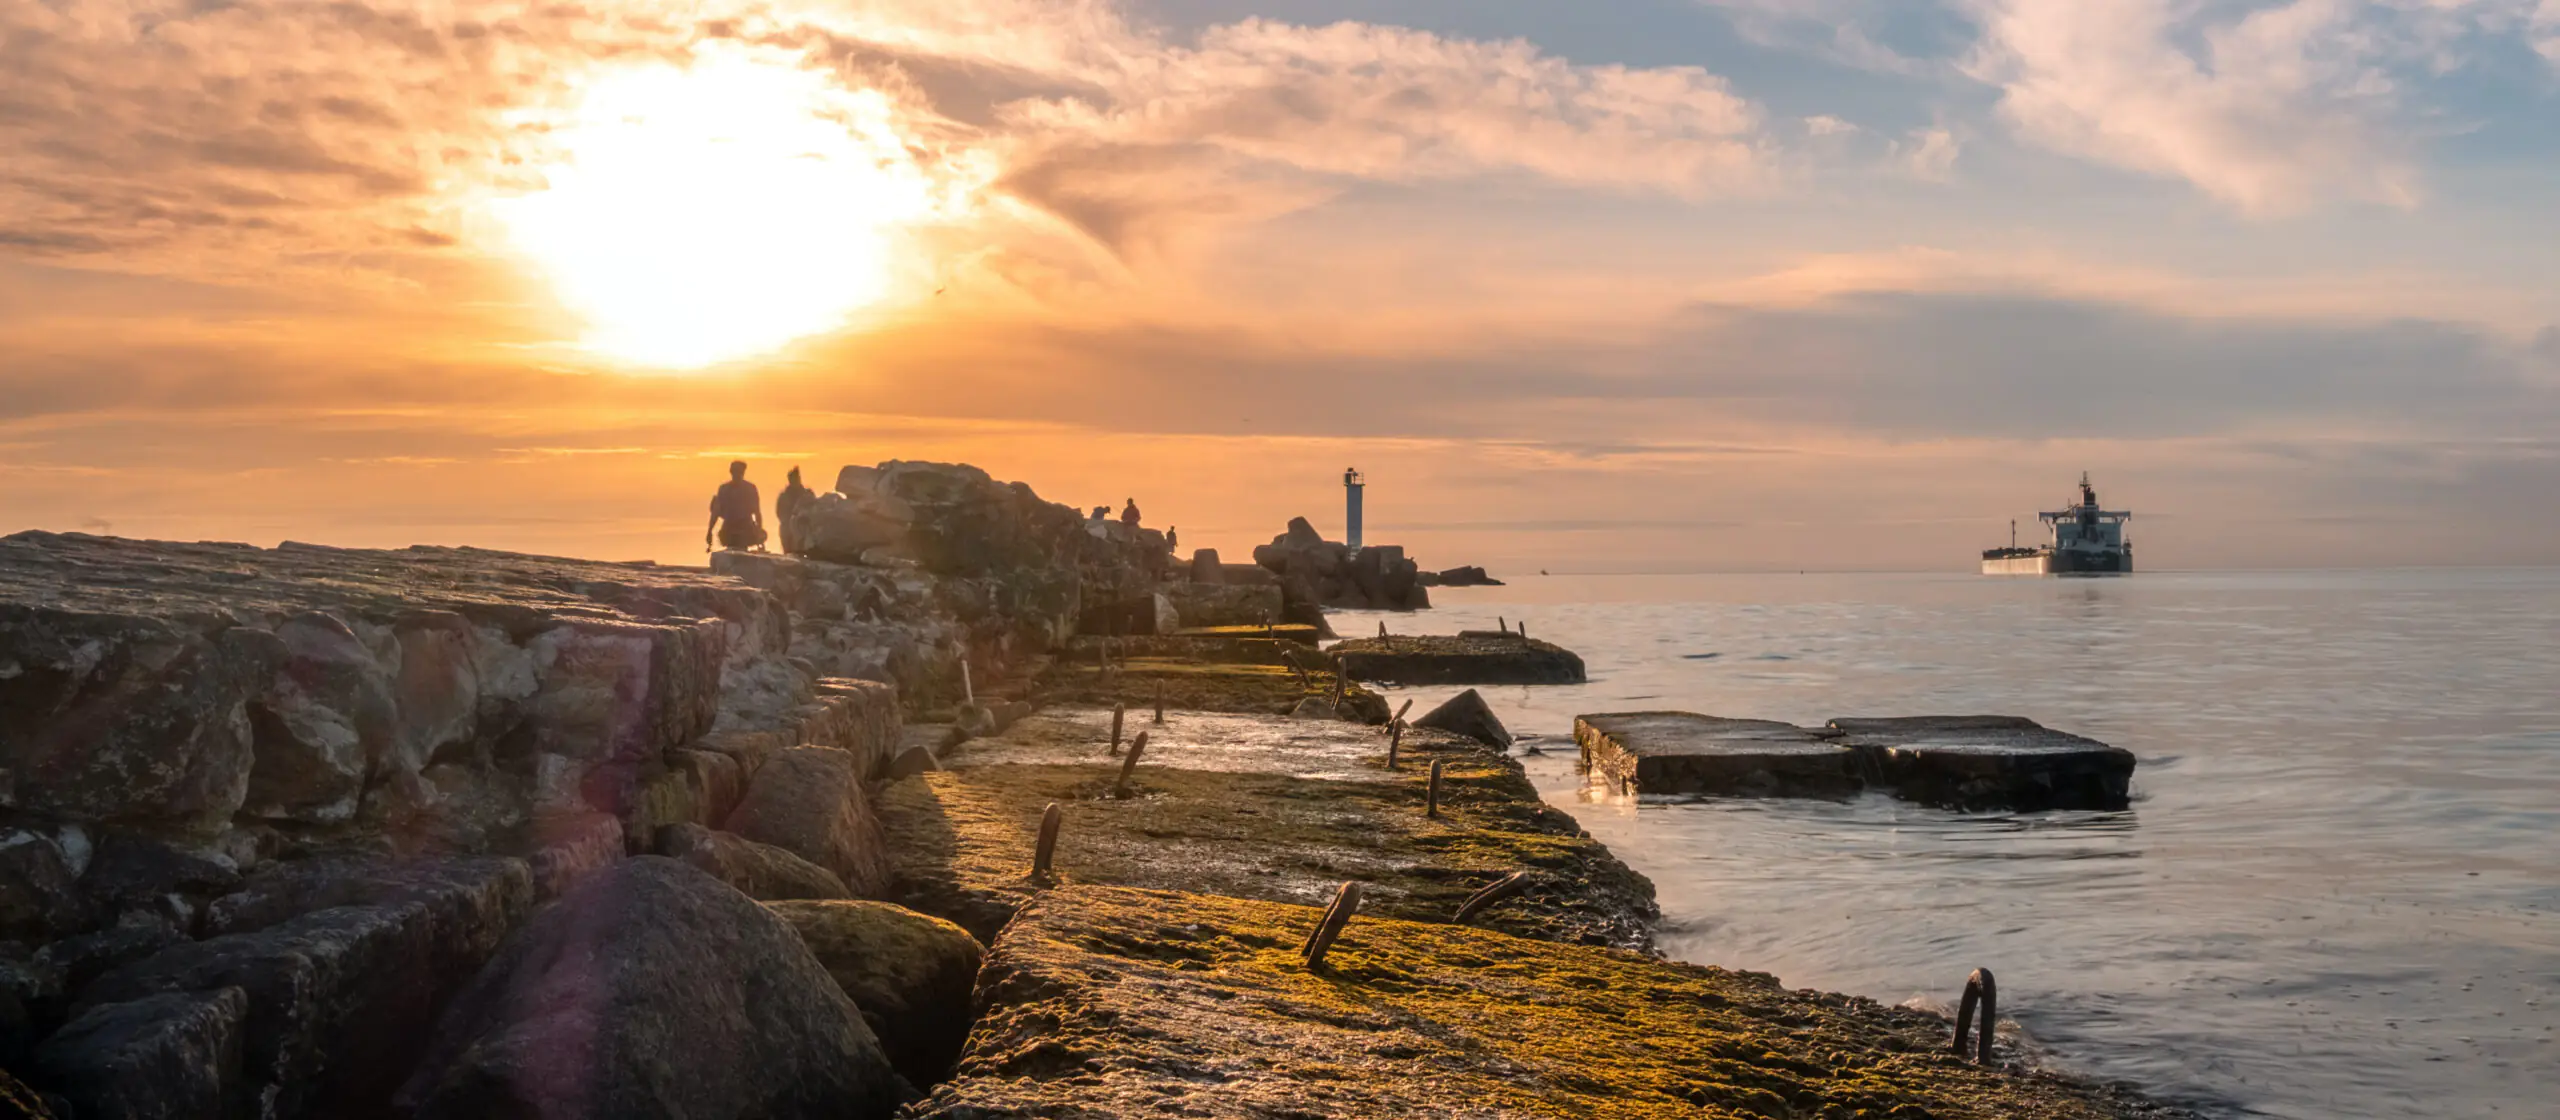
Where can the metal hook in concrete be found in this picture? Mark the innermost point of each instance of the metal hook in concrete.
(1510, 886)
(1346, 902)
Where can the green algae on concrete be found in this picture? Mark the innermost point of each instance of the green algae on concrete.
(1245, 822)
(1112, 1002)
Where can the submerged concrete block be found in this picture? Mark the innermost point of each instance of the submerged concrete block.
(1683, 752)
(1990, 762)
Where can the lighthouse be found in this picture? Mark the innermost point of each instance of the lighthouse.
(1351, 484)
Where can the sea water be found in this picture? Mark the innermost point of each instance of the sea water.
(2337, 893)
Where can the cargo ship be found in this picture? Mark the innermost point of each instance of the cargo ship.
(2086, 540)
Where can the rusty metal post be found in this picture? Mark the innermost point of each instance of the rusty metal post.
(1395, 739)
(1159, 701)
(1431, 792)
(1346, 902)
(1129, 766)
(1119, 711)
(1045, 852)
(1511, 886)
(1978, 988)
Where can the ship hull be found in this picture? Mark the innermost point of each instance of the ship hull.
(2048, 562)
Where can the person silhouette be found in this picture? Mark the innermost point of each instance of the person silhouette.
(793, 497)
(737, 511)
(1129, 515)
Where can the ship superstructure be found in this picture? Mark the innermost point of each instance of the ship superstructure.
(2084, 539)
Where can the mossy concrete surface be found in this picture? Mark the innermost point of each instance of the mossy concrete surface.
(1255, 808)
(1113, 1002)
(1200, 686)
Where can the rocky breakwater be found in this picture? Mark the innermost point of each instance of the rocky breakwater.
(1316, 573)
(270, 816)
(910, 569)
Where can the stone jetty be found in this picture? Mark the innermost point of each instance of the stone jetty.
(1958, 762)
(1474, 657)
(434, 833)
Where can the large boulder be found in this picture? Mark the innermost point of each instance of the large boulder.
(759, 871)
(911, 975)
(839, 527)
(653, 991)
(325, 716)
(172, 1055)
(809, 801)
(125, 717)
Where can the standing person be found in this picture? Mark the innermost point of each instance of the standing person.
(737, 511)
(793, 497)
(1172, 539)
(1129, 515)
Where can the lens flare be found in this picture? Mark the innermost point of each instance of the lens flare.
(717, 211)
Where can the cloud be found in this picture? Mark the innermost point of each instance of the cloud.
(1930, 153)
(234, 138)
(2269, 107)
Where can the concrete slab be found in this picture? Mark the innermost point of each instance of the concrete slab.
(1684, 752)
(1989, 762)
(1475, 658)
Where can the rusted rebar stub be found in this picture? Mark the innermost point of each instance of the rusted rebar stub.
(1159, 701)
(1129, 765)
(1395, 739)
(1978, 988)
(1510, 886)
(1119, 711)
(1345, 903)
(1431, 792)
(1340, 682)
(1382, 628)
(1399, 716)
(1045, 852)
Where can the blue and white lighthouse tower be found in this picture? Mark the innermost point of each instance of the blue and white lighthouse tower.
(1351, 485)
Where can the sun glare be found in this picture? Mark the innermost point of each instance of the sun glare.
(712, 212)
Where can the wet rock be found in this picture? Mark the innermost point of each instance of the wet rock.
(1682, 752)
(913, 760)
(77, 960)
(476, 898)
(1990, 762)
(107, 716)
(1115, 1002)
(910, 974)
(653, 991)
(759, 871)
(1467, 714)
(160, 1057)
(1464, 576)
(809, 801)
(1205, 567)
(1464, 659)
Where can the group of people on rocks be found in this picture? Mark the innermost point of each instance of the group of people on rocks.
(737, 513)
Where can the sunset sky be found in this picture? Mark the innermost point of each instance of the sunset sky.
(1602, 286)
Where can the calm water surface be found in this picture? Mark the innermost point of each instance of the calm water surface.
(2337, 893)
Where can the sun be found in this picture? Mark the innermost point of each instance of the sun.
(703, 213)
